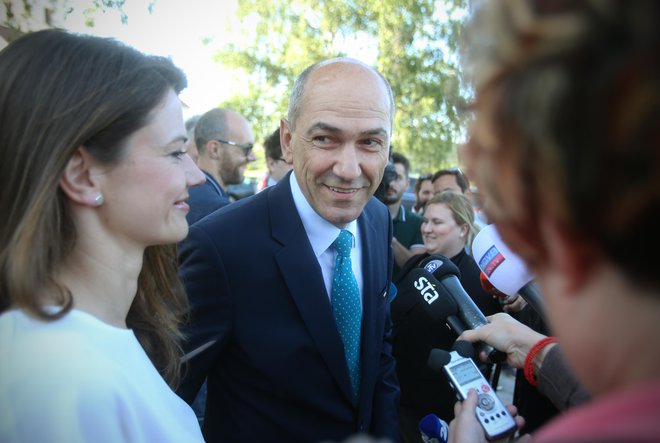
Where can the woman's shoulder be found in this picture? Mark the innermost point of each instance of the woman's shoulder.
(65, 350)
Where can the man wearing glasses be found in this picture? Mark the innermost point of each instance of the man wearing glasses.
(224, 139)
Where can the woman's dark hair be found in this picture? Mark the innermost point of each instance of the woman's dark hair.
(60, 91)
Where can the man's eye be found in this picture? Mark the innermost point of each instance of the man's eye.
(178, 154)
(372, 143)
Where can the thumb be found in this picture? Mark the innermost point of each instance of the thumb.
(470, 335)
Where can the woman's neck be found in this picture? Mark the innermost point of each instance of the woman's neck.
(102, 283)
(451, 251)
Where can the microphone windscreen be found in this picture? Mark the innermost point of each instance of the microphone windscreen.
(464, 348)
(433, 429)
(420, 285)
(440, 266)
(438, 358)
(504, 269)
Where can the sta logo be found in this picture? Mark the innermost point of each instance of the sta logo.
(424, 286)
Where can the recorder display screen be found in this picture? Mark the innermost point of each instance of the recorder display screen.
(465, 372)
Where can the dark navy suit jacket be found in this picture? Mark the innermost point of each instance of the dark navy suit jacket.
(205, 198)
(262, 327)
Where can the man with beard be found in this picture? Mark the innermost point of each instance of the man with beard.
(224, 139)
(407, 240)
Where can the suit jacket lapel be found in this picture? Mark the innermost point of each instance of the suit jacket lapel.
(304, 279)
(373, 258)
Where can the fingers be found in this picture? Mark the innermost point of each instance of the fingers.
(512, 410)
(520, 420)
(470, 403)
(471, 335)
(465, 428)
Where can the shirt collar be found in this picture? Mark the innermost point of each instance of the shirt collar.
(401, 215)
(321, 233)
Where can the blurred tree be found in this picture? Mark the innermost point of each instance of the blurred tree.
(20, 16)
(413, 43)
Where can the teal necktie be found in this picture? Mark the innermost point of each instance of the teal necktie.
(346, 306)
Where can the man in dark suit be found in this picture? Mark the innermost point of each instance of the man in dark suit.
(259, 274)
(224, 140)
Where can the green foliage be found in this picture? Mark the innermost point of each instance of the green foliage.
(31, 15)
(413, 43)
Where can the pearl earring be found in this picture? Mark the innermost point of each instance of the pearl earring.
(98, 200)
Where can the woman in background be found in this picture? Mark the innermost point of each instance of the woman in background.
(94, 180)
(448, 229)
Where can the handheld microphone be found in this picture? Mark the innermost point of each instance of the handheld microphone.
(447, 274)
(505, 270)
(438, 304)
(433, 429)
(489, 288)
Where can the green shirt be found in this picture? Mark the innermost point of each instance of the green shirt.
(408, 230)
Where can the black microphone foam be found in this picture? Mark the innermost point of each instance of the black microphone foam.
(438, 358)
(437, 302)
(464, 348)
(446, 272)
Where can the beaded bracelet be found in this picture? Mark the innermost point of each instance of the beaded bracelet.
(528, 369)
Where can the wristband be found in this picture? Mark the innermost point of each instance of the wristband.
(528, 369)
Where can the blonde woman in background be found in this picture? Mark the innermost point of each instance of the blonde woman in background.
(448, 229)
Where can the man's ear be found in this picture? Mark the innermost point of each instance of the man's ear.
(285, 141)
(212, 147)
(78, 182)
(568, 254)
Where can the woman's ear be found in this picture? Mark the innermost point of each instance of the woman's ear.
(464, 230)
(78, 182)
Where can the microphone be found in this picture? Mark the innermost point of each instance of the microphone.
(438, 304)
(433, 429)
(439, 357)
(505, 270)
(446, 272)
(489, 288)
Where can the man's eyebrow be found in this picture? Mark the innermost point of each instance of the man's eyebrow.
(326, 127)
(376, 131)
(322, 126)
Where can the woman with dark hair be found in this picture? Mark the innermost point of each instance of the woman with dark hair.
(565, 147)
(94, 180)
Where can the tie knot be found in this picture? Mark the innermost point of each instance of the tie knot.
(344, 243)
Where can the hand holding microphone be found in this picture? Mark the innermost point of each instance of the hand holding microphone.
(508, 335)
(510, 303)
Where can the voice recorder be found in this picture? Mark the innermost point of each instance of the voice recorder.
(493, 416)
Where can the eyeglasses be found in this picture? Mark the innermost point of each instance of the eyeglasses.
(247, 147)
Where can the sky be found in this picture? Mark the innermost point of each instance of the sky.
(175, 29)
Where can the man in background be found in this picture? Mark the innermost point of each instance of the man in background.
(423, 192)
(407, 239)
(452, 179)
(224, 140)
(276, 165)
